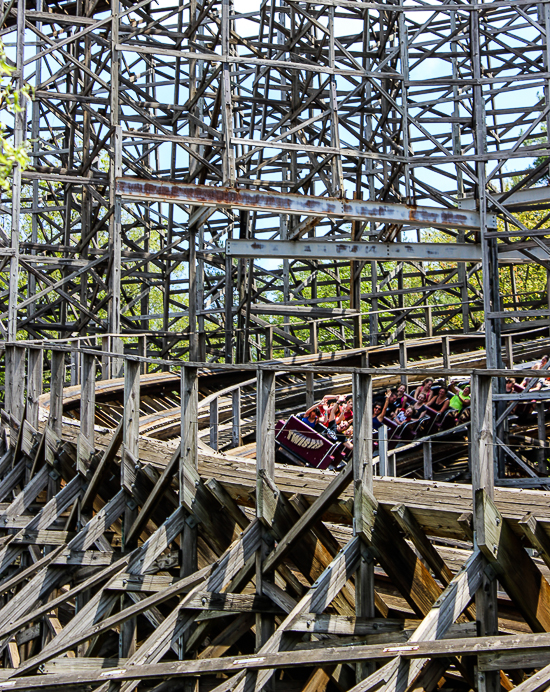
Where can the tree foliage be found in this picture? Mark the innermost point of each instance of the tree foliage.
(12, 99)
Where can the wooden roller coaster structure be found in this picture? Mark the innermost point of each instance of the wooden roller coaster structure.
(148, 535)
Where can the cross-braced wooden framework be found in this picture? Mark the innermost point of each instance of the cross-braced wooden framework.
(303, 105)
(131, 563)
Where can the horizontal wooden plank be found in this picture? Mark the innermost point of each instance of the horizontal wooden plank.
(288, 659)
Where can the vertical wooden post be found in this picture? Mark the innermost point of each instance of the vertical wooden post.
(85, 448)
(314, 337)
(142, 352)
(482, 464)
(34, 385)
(362, 433)
(228, 309)
(56, 392)
(128, 469)
(383, 450)
(55, 421)
(355, 286)
(265, 486)
(429, 322)
(363, 484)
(373, 315)
(214, 424)
(541, 424)
(188, 476)
(75, 367)
(403, 359)
(391, 462)
(445, 352)
(192, 297)
(236, 438)
(310, 389)
(269, 343)
(15, 388)
(117, 361)
(130, 429)
(265, 434)
(105, 359)
(19, 132)
(189, 464)
(509, 351)
(428, 466)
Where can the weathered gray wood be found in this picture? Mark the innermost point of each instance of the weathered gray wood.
(103, 465)
(427, 459)
(403, 360)
(154, 497)
(383, 469)
(397, 675)
(15, 385)
(88, 671)
(56, 391)
(446, 352)
(310, 390)
(536, 536)
(346, 625)
(265, 443)
(214, 421)
(312, 515)
(176, 624)
(516, 571)
(129, 470)
(236, 438)
(509, 351)
(34, 384)
(130, 435)
(189, 436)
(482, 459)
(315, 600)
(363, 485)
(188, 474)
(87, 413)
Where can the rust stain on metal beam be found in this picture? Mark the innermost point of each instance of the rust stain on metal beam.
(304, 205)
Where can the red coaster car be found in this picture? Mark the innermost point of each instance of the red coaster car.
(304, 445)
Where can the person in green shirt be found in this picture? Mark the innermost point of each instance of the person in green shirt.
(461, 398)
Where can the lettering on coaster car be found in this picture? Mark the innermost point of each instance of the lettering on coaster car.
(303, 441)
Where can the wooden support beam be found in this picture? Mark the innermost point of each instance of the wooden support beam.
(129, 469)
(56, 391)
(398, 674)
(536, 536)
(214, 422)
(414, 532)
(427, 459)
(482, 459)
(34, 384)
(89, 671)
(154, 497)
(102, 467)
(516, 571)
(405, 569)
(403, 360)
(265, 445)
(312, 515)
(322, 592)
(236, 437)
(85, 448)
(363, 487)
(15, 386)
(188, 475)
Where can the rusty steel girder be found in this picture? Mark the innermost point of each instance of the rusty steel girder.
(304, 205)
